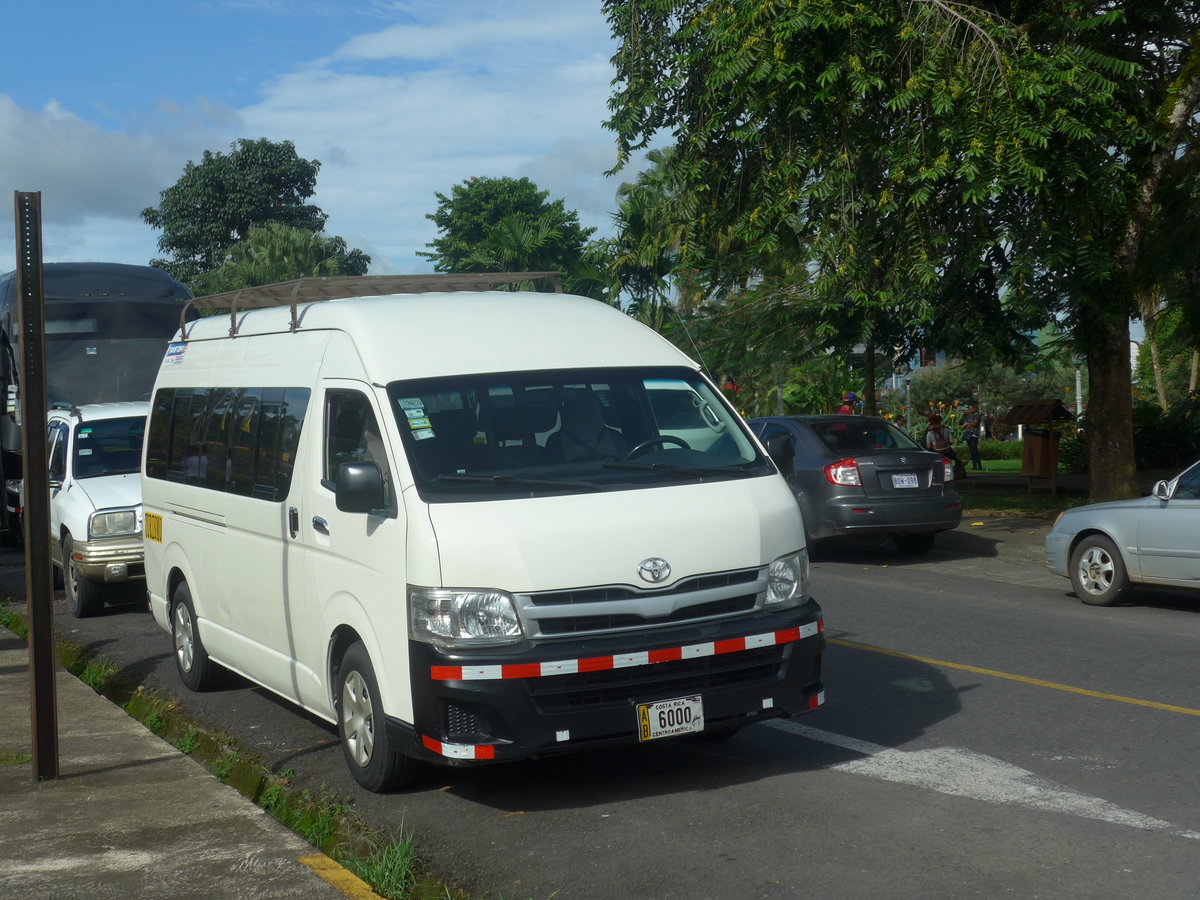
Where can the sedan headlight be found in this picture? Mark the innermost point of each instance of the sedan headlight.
(460, 618)
(113, 523)
(788, 581)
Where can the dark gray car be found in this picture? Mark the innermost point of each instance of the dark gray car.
(860, 475)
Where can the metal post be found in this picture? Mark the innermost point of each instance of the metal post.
(39, 585)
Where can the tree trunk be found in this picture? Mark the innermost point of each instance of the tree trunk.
(1149, 304)
(1195, 376)
(1109, 422)
(869, 407)
(1159, 387)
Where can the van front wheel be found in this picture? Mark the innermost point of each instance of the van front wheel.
(373, 762)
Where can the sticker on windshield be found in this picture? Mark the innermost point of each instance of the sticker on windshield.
(411, 403)
(85, 433)
(423, 435)
(415, 413)
(85, 451)
(418, 424)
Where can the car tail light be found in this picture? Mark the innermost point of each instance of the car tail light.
(948, 470)
(844, 472)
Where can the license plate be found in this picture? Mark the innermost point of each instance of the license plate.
(153, 527)
(905, 481)
(684, 715)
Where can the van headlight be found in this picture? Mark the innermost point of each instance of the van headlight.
(459, 618)
(113, 524)
(788, 581)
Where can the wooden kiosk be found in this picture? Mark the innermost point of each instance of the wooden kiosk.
(1038, 419)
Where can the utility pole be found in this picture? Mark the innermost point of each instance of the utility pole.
(39, 584)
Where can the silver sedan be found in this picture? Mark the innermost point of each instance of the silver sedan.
(1106, 548)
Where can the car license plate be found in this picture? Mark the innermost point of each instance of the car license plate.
(905, 481)
(684, 715)
(153, 527)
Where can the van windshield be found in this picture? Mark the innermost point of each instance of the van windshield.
(523, 434)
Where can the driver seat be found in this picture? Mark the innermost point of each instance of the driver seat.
(583, 433)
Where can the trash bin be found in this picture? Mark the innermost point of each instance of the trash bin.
(1039, 457)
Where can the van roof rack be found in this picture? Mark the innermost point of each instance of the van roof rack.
(337, 287)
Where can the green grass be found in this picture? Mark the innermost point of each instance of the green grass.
(11, 758)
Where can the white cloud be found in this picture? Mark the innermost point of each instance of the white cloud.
(454, 90)
(94, 184)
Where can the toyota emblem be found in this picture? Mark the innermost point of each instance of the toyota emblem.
(654, 570)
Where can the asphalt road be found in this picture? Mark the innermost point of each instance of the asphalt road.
(984, 734)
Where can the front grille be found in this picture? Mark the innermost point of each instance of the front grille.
(605, 609)
(617, 593)
(621, 687)
(574, 624)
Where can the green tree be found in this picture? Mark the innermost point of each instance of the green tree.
(272, 253)
(504, 224)
(941, 174)
(215, 203)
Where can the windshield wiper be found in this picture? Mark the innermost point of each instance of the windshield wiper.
(677, 470)
(518, 480)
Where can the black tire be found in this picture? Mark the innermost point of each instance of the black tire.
(196, 670)
(915, 544)
(84, 598)
(1098, 572)
(373, 762)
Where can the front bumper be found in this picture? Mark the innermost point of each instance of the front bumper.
(563, 696)
(1058, 553)
(111, 560)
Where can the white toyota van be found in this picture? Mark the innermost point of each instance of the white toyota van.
(452, 524)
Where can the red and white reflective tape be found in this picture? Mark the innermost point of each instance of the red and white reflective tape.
(459, 751)
(625, 660)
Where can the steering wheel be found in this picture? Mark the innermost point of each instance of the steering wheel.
(656, 442)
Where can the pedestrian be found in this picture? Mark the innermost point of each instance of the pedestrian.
(972, 423)
(848, 400)
(938, 439)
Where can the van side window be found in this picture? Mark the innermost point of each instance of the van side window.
(241, 440)
(352, 433)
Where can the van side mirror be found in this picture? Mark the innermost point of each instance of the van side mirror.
(1162, 490)
(782, 450)
(359, 487)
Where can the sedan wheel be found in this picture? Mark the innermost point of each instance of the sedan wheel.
(1098, 572)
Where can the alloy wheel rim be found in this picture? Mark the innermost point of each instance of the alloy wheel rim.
(358, 718)
(184, 641)
(1096, 571)
(73, 582)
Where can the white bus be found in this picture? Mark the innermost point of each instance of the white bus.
(451, 524)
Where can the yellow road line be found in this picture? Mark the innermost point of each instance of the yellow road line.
(1025, 679)
(340, 877)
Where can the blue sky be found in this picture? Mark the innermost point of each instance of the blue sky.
(102, 105)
